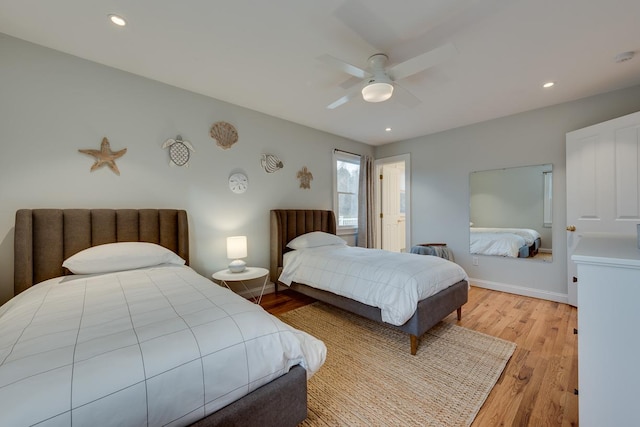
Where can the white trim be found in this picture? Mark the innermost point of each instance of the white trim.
(248, 293)
(485, 284)
(520, 290)
(344, 156)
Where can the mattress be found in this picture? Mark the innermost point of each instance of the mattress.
(154, 346)
(393, 282)
(529, 235)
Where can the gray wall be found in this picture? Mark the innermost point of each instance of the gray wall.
(52, 104)
(440, 167)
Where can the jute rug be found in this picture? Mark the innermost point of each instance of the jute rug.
(371, 379)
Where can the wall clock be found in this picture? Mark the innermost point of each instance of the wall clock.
(238, 183)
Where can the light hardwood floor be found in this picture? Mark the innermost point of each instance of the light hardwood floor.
(537, 385)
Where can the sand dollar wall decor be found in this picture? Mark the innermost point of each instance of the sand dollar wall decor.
(225, 134)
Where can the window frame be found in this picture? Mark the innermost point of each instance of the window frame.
(341, 156)
(547, 199)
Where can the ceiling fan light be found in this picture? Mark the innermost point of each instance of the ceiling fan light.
(377, 92)
(117, 20)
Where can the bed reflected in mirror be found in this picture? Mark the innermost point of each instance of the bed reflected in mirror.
(511, 212)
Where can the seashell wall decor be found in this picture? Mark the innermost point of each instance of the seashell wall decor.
(271, 163)
(305, 177)
(225, 134)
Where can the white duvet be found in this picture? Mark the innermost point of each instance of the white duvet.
(529, 235)
(501, 244)
(150, 347)
(393, 282)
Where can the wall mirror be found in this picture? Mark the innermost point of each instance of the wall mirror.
(511, 212)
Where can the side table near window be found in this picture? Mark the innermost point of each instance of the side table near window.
(224, 277)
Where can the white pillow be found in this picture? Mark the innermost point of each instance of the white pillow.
(314, 239)
(120, 256)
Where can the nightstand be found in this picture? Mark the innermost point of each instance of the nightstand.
(250, 273)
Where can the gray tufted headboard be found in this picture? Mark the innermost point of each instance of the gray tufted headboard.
(287, 224)
(44, 238)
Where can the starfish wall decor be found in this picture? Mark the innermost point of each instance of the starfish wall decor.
(104, 156)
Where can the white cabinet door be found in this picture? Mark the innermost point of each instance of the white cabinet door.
(603, 189)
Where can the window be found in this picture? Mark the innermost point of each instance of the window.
(547, 200)
(347, 182)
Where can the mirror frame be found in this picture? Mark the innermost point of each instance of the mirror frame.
(518, 197)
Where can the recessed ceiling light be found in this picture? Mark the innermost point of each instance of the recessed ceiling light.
(387, 129)
(548, 84)
(118, 20)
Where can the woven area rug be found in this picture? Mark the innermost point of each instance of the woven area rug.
(371, 379)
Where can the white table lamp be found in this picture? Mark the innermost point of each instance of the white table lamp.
(236, 249)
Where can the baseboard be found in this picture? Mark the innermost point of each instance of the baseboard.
(255, 292)
(486, 284)
(520, 290)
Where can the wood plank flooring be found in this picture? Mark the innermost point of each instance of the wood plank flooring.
(537, 385)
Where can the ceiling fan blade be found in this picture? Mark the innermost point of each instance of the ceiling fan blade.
(350, 82)
(338, 102)
(405, 97)
(422, 62)
(348, 97)
(344, 66)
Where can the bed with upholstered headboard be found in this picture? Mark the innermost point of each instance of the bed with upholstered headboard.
(44, 238)
(287, 224)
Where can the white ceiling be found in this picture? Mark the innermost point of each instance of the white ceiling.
(263, 55)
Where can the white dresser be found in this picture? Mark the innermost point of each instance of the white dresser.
(608, 330)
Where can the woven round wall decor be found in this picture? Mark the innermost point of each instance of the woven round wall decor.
(225, 134)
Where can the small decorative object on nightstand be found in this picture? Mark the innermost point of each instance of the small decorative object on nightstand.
(250, 273)
(236, 249)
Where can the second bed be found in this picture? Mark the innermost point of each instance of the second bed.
(429, 308)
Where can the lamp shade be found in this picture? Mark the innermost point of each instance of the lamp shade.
(236, 247)
(377, 92)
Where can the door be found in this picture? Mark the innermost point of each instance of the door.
(392, 203)
(393, 221)
(602, 184)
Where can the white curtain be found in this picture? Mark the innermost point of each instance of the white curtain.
(366, 221)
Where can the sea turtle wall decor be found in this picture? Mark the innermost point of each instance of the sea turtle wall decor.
(104, 156)
(179, 151)
(225, 134)
(305, 178)
(271, 163)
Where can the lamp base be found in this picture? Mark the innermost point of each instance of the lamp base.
(237, 266)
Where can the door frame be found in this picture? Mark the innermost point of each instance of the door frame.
(379, 163)
(606, 151)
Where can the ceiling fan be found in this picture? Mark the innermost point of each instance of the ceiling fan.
(378, 80)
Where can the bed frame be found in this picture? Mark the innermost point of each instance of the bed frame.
(44, 238)
(287, 224)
